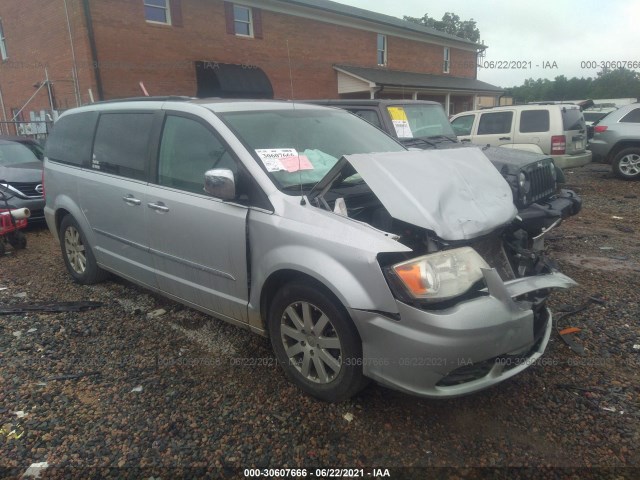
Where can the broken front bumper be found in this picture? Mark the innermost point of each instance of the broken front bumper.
(540, 216)
(462, 349)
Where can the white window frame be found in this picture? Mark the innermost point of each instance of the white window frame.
(3, 44)
(250, 22)
(446, 60)
(384, 50)
(167, 12)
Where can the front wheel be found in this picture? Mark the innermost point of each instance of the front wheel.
(626, 164)
(77, 254)
(316, 342)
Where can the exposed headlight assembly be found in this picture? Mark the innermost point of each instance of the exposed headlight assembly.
(440, 276)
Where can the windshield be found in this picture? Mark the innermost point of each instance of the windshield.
(420, 121)
(14, 154)
(300, 146)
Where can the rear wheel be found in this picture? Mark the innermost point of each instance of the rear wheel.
(316, 342)
(17, 240)
(626, 164)
(77, 254)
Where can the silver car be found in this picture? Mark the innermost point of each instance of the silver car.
(616, 140)
(359, 259)
(21, 179)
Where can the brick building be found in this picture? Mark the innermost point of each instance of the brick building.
(57, 54)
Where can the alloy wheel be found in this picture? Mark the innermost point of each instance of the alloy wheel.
(311, 342)
(75, 250)
(630, 164)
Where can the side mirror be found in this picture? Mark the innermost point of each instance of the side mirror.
(220, 183)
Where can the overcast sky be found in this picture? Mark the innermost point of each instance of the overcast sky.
(567, 32)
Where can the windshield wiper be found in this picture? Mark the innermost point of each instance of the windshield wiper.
(444, 137)
(298, 186)
(416, 141)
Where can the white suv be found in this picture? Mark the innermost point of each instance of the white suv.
(557, 130)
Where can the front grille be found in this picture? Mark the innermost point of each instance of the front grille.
(491, 249)
(26, 189)
(541, 179)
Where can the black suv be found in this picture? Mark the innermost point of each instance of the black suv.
(533, 177)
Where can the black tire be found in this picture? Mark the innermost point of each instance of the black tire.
(77, 254)
(330, 374)
(17, 240)
(626, 164)
(2, 247)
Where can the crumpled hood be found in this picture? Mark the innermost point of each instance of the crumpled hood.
(456, 193)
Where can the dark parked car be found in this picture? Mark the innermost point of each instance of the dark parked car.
(616, 140)
(31, 143)
(533, 177)
(21, 178)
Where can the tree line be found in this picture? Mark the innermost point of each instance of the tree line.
(618, 83)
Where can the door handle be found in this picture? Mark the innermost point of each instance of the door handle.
(131, 200)
(465, 140)
(504, 138)
(158, 207)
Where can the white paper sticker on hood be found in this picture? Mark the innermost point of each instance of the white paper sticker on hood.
(457, 193)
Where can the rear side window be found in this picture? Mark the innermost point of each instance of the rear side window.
(121, 145)
(494, 123)
(534, 121)
(632, 117)
(572, 119)
(71, 138)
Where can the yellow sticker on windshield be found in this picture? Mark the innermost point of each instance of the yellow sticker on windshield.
(400, 122)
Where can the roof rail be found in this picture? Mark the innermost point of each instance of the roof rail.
(169, 98)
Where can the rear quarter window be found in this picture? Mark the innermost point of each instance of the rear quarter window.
(632, 117)
(534, 121)
(71, 138)
(122, 143)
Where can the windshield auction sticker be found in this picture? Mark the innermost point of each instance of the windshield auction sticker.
(400, 122)
(277, 159)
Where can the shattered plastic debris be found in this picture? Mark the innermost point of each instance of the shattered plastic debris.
(156, 313)
(606, 248)
(20, 414)
(10, 432)
(3, 288)
(17, 333)
(609, 409)
(35, 469)
(20, 295)
(137, 389)
(31, 330)
(615, 217)
(348, 417)
(636, 347)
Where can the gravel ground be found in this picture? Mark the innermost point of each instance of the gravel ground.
(128, 391)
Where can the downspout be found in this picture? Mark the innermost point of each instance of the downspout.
(375, 92)
(94, 50)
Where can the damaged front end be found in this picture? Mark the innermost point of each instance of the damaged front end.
(472, 291)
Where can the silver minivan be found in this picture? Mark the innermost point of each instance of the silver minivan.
(358, 258)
